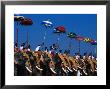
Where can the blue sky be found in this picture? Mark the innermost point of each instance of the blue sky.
(82, 24)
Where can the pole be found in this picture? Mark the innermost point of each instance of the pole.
(58, 40)
(45, 36)
(79, 47)
(27, 37)
(17, 35)
(70, 44)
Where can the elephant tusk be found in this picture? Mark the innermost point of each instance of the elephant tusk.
(28, 69)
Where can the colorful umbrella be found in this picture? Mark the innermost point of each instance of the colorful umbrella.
(47, 23)
(93, 42)
(18, 18)
(87, 40)
(26, 22)
(60, 29)
(79, 38)
(71, 35)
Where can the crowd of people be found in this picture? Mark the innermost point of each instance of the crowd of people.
(52, 62)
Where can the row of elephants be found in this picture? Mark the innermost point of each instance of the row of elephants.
(42, 63)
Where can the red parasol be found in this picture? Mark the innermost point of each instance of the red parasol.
(60, 29)
(26, 21)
